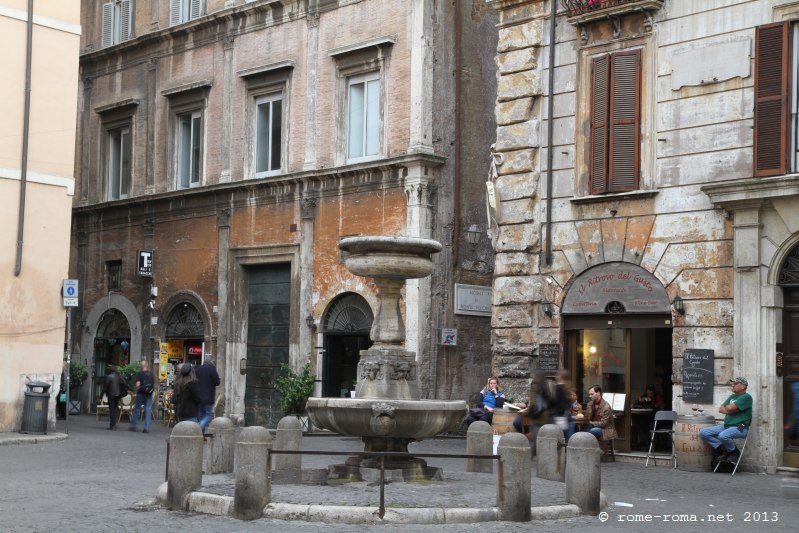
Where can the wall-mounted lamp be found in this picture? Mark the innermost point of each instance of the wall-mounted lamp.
(546, 306)
(678, 305)
(473, 234)
(310, 322)
(591, 348)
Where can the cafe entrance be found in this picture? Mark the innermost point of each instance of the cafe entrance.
(618, 336)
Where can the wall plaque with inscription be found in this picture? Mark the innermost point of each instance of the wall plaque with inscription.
(616, 287)
(697, 375)
(472, 300)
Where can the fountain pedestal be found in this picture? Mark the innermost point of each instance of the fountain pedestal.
(387, 413)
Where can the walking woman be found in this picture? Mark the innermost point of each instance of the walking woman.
(186, 397)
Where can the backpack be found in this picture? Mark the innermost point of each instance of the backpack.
(147, 385)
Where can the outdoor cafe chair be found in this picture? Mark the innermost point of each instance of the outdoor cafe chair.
(662, 417)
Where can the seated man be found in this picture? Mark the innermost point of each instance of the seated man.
(600, 415)
(737, 411)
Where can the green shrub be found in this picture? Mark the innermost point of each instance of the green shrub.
(294, 389)
(128, 373)
(77, 374)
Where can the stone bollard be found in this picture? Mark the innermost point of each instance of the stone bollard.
(253, 472)
(221, 446)
(288, 467)
(185, 473)
(583, 479)
(479, 441)
(551, 449)
(513, 481)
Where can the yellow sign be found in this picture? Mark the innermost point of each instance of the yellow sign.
(163, 362)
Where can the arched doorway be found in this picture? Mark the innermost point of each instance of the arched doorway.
(185, 335)
(346, 328)
(111, 347)
(618, 331)
(789, 281)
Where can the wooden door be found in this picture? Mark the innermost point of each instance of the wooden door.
(268, 318)
(790, 375)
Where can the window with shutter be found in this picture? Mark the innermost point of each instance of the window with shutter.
(771, 99)
(615, 121)
(175, 8)
(125, 19)
(117, 22)
(181, 11)
(107, 38)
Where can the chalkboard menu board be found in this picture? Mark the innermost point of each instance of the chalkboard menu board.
(697, 375)
(548, 357)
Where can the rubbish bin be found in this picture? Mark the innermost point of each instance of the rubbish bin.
(34, 411)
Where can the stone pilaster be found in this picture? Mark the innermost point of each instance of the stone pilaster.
(518, 287)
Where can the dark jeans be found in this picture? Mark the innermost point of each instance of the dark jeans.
(113, 411)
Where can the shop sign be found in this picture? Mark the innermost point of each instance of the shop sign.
(145, 263)
(175, 349)
(194, 349)
(617, 288)
(472, 300)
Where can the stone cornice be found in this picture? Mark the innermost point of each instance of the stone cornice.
(748, 192)
(289, 187)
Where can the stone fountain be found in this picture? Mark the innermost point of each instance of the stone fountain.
(387, 412)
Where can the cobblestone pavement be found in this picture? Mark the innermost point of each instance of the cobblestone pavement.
(99, 480)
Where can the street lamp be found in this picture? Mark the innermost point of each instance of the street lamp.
(546, 306)
(473, 234)
(309, 321)
(678, 304)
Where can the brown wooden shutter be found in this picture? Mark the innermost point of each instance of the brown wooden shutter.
(600, 83)
(625, 121)
(772, 58)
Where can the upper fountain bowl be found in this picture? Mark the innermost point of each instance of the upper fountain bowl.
(389, 257)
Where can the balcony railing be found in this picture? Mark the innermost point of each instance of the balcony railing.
(580, 7)
(581, 12)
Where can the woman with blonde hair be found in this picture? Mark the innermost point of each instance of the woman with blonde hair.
(491, 397)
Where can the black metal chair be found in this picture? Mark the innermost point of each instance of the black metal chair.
(663, 417)
(740, 454)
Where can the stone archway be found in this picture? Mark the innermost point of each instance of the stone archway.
(345, 326)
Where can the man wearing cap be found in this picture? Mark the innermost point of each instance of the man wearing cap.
(737, 410)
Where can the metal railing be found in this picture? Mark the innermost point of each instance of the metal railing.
(382, 455)
(579, 7)
(398, 455)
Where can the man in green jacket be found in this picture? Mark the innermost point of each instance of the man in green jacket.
(737, 411)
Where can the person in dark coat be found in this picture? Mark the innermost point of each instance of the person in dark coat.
(186, 397)
(114, 389)
(208, 379)
(145, 385)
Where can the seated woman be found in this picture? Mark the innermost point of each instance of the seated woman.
(492, 398)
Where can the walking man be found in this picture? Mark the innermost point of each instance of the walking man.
(144, 397)
(208, 379)
(114, 389)
(737, 411)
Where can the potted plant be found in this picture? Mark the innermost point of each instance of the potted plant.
(294, 390)
(77, 376)
(128, 373)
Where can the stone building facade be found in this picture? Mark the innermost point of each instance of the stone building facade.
(651, 226)
(224, 149)
(37, 103)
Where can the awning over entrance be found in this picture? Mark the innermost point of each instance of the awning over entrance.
(616, 288)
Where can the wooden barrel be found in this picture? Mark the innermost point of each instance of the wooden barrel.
(693, 454)
(502, 421)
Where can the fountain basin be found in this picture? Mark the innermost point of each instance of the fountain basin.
(386, 418)
(389, 257)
